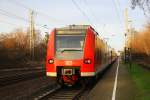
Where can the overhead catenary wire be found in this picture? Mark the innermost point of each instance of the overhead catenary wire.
(117, 12)
(90, 9)
(48, 17)
(119, 5)
(8, 14)
(104, 25)
(92, 13)
(14, 16)
(2, 21)
(82, 12)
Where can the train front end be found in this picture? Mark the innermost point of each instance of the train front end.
(69, 56)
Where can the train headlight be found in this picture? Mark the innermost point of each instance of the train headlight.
(87, 61)
(50, 61)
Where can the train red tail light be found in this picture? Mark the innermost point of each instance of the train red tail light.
(87, 61)
(50, 61)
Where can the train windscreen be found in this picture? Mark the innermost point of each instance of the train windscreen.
(69, 46)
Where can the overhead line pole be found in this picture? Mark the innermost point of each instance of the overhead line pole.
(32, 34)
(126, 35)
(126, 26)
(128, 39)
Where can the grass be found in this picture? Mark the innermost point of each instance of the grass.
(141, 77)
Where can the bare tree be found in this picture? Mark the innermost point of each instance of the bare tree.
(141, 45)
(143, 4)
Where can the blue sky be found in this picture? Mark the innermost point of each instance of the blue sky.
(107, 16)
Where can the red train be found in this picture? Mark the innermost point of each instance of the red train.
(76, 52)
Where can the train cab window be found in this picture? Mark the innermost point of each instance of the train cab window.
(69, 46)
(69, 42)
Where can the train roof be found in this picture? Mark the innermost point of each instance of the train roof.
(74, 27)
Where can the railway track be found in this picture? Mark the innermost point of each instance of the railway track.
(63, 93)
(20, 75)
(78, 92)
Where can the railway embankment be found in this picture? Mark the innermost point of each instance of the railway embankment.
(141, 78)
(22, 81)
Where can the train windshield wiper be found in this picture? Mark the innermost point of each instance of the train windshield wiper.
(71, 49)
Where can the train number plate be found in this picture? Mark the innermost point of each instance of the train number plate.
(68, 63)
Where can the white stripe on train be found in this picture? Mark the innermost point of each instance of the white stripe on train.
(53, 74)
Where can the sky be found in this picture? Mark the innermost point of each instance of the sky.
(106, 16)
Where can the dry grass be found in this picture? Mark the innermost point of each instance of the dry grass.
(15, 47)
